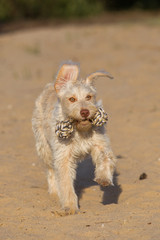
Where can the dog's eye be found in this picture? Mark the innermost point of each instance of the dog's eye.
(72, 99)
(88, 97)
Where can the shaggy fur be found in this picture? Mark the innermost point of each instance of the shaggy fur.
(75, 99)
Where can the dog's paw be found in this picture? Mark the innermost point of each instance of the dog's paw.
(103, 182)
(66, 211)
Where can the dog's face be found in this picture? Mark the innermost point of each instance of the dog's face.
(77, 97)
(78, 102)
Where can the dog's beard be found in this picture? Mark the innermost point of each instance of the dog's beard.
(83, 125)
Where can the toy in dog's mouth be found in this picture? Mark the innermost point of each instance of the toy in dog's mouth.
(64, 129)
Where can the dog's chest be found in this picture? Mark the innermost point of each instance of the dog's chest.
(81, 145)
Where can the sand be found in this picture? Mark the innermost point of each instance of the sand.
(28, 61)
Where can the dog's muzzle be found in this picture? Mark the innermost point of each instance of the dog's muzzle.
(64, 129)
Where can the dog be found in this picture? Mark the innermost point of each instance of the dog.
(66, 129)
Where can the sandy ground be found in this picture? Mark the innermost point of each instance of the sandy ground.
(28, 60)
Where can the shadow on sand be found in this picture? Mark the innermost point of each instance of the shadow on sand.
(84, 179)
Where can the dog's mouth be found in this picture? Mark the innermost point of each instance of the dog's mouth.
(83, 121)
(83, 124)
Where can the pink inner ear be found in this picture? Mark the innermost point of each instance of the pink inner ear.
(66, 73)
(63, 80)
(67, 76)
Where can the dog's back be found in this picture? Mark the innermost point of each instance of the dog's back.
(41, 121)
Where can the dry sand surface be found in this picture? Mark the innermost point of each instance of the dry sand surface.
(28, 60)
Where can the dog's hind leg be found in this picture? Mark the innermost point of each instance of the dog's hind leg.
(52, 183)
(45, 154)
(43, 148)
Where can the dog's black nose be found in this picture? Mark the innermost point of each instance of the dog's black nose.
(84, 113)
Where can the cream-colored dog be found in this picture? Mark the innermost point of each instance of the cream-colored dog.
(64, 131)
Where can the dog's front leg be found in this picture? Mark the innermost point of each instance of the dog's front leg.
(65, 174)
(104, 161)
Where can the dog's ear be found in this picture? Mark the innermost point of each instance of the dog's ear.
(67, 72)
(90, 78)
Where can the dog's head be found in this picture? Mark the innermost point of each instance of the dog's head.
(77, 97)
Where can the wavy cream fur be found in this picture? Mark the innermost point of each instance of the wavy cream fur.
(62, 155)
